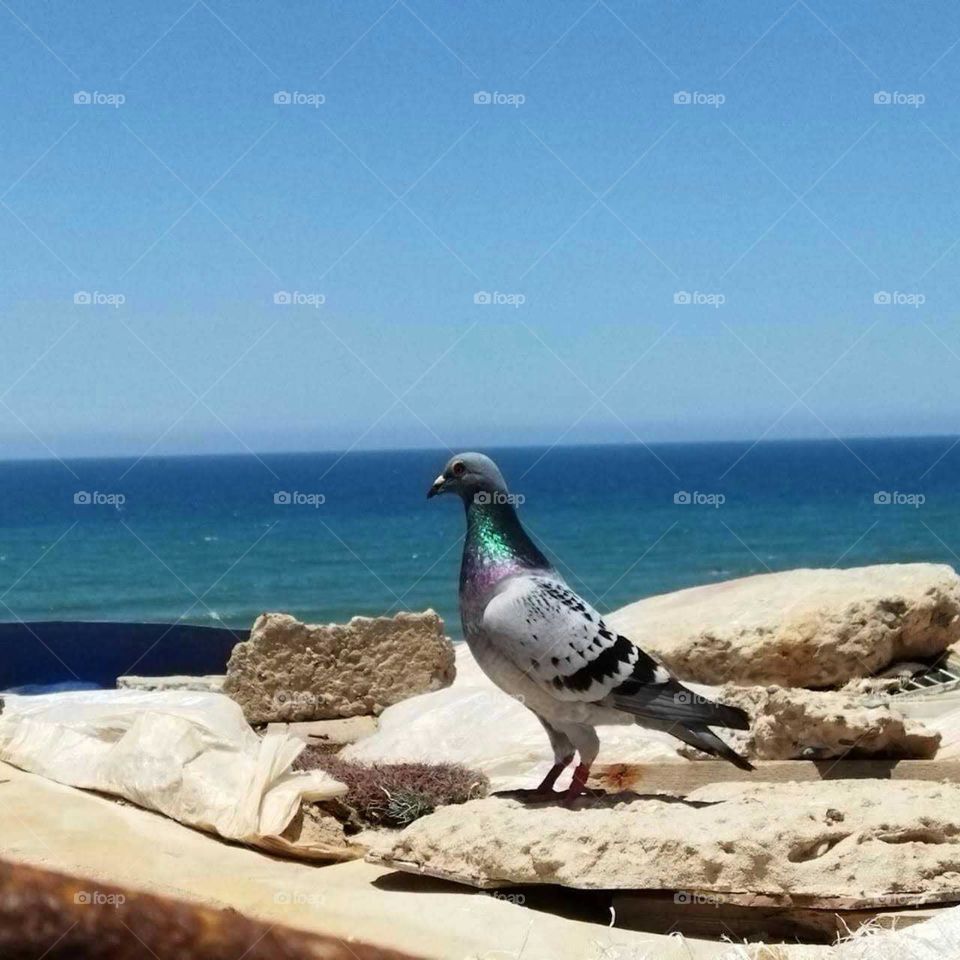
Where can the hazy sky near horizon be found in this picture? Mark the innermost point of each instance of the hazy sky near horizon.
(690, 221)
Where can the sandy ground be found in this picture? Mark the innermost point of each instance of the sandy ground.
(46, 824)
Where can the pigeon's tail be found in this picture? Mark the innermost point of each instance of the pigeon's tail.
(672, 708)
(673, 702)
(703, 738)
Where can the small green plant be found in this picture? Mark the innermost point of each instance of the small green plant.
(395, 794)
(405, 806)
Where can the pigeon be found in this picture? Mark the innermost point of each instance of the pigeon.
(541, 643)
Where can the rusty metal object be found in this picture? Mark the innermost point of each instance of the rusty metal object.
(69, 918)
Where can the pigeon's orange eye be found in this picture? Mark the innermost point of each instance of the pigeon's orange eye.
(459, 469)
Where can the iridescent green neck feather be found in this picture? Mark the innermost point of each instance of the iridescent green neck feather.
(496, 546)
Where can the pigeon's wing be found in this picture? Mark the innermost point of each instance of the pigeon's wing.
(562, 643)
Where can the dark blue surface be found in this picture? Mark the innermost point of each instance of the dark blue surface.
(78, 655)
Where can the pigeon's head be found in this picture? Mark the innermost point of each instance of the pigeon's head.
(468, 474)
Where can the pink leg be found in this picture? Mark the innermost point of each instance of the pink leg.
(578, 785)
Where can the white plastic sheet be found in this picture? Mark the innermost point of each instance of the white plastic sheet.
(191, 756)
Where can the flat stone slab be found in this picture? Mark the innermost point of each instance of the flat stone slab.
(209, 683)
(800, 628)
(868, 842)
(335, 733)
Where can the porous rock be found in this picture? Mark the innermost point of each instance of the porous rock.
(291, 671)
(797, 724)
(836, 838)
(800, 628)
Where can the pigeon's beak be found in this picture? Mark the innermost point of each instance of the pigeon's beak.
(436, 487)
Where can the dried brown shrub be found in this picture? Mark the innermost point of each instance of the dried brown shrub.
(395, 794)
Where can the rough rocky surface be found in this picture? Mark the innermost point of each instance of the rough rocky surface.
(292, 671)
(209, 683)
(797, 724)
(837, 838)
(801, 628)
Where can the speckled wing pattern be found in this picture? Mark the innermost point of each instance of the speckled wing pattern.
(562, 643)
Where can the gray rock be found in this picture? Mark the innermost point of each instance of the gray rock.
(291, 671)
(801, 628)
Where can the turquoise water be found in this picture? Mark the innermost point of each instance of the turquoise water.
(202, 539)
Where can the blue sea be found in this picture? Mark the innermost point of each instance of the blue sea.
(325, 536)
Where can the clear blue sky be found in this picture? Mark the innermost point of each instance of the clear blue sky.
(597, 200)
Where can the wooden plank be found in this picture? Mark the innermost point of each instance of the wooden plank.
(680, 779)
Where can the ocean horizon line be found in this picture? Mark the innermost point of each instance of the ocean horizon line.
(359, 451)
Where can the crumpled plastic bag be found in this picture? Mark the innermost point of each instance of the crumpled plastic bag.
(189, 755)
